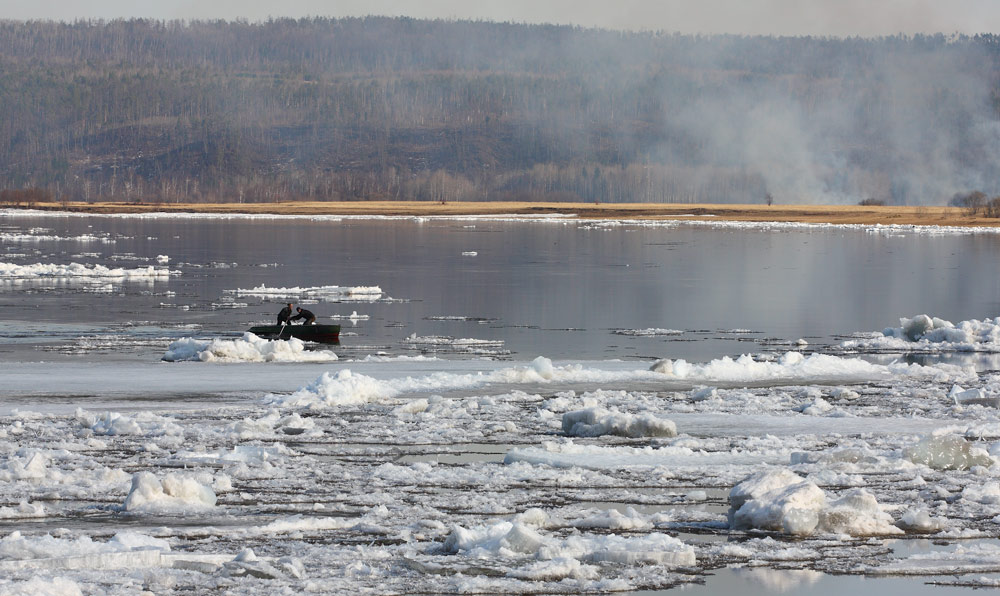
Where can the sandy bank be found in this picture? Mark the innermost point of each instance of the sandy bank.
(851, 214)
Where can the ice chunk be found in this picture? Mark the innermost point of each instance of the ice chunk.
(504, 538)
(947, 452)
(760, 484)
(780, 501)
(612, 519)
(38, 586)
(972, 397)
(173, 493)
(543, 367)
(793, 508)
(24, 509)
(483, 540)
(321, 293)
(339, 389)
(249, 348)
(665, 366)
(81, 271)
(129, 540)
(819, 407)
(34, 469)
(930, 334)
(915, 328)
(515, 538)
(555, 570)
(919, 520)
(594, 422)
(658, 549)
(704, 393)
(247, 563)
(113, 423)
(857, 513)
(988, 494)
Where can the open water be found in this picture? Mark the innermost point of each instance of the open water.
(562, 289)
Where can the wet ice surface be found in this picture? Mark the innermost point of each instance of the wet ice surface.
(433, 452)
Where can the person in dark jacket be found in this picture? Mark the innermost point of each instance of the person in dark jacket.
(284, 314)
(310, 319)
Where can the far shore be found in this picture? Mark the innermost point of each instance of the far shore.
(832, 214)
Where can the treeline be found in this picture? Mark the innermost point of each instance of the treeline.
(977, 203)
(395, 108)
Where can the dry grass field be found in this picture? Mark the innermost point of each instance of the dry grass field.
(849, 214)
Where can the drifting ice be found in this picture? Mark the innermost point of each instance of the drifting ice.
(947, 452)
(524, 537)
(781, 501)
(367, 293)
(594, 422)
(249, 348)
(931, 334)
(77, 270)
(174, 493)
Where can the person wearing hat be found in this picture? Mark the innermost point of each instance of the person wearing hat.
(284, 314)
(310, 319)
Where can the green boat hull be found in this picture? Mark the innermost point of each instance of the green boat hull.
(324, 334)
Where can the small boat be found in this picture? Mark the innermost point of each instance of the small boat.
(324, 334)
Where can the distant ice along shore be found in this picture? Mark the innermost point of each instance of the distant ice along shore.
(360, 293)
(78, 270)
(881, 219)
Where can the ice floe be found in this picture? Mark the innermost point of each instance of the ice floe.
(439, 343)
(173, 493)
(792, 366)
(947, 452)
(649, 332)
(782, 501)
(594, 422)
(249, 348)
(321, 293)
(924, 333)
(13, 271)
(524, 536)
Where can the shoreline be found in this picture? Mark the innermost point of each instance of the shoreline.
(815, 214)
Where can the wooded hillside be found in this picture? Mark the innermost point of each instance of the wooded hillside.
(395, 108)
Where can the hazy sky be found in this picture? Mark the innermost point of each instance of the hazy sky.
(778, 17)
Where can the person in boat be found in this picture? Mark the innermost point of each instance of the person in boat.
(284, 314)
(310, 319)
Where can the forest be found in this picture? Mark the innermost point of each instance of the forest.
(438, 110)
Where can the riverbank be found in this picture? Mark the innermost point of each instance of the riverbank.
(834, 214)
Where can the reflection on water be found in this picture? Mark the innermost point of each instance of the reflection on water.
(765, 582)
(981, 361)
(562, 290)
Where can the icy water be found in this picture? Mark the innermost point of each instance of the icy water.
(557, 289)
(493, 420)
